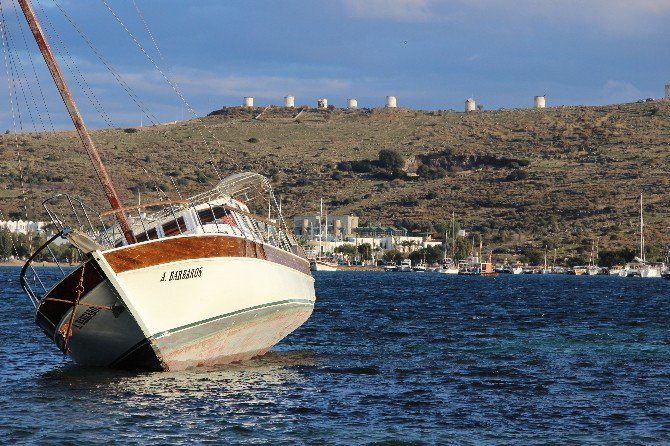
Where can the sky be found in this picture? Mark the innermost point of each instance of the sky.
(430, 54)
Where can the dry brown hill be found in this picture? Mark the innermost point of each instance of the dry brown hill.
(559, 175)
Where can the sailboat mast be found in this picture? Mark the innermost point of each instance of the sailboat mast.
(642, 234)
(77, 119)
(453, 235)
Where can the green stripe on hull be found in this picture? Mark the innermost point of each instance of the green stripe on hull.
(223, 316)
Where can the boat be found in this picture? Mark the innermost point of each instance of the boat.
(615, 270)
(640, 267)
(593, 269)
(320, 262)
(545, 267)
(479, 269)
(578, 271)
(405, 266)
(448, 267)
(419, 268)
(323, 264)
(172, 284)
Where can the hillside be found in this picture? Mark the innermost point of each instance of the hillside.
(559, 175)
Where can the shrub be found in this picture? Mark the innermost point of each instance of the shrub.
(391, 160)
(252, 140)
(517, 175)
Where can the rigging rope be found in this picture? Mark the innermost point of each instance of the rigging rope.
(5, 51)
(78, 77)
(172, 84)
(151, 36)
(119, 79)
(37, 79)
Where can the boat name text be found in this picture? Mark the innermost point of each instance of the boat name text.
(182, 274)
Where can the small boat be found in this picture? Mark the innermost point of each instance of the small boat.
(323, 264)
(615, 270)
(405, 266)
(420, 268)
(578, 271)
(450, 268)
(480, 269)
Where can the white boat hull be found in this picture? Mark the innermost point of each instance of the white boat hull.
(189, 312)
(322, 266)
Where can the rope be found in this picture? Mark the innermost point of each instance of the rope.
(79, 290)
(21, 78)
(37, 79)
(5, 51)
(151, 36)
(119, 79)
(78, 77)
(172, 84)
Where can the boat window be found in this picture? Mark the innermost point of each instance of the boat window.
(206, 215)
(170, 228)
(142, 236)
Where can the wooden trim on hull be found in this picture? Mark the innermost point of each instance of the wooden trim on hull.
(175, 249)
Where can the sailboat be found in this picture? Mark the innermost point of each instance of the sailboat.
(640, 267)
(320, 262)
(593, 269)
(171, 284)
(545, 268)
(449, 265)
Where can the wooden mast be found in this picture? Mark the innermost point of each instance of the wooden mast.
(77, 119)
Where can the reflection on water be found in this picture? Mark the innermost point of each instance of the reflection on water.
(273, 369)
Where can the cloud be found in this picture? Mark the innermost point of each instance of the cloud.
(396, 10)
(606, 14)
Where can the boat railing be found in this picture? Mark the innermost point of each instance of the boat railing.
(206, 213)
(36, 284)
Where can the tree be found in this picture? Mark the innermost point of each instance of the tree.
(391, 161)
(347, 250)
(463, 248)
(392, 256)
(365, 250)
(431, 254)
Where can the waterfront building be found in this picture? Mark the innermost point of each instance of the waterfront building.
(23, 227)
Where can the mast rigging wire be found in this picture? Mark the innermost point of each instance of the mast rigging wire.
(171, 83)
(5, 51)
(37, 79)
(119, 79)
(78, 77)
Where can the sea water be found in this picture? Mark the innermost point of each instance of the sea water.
(386, 358)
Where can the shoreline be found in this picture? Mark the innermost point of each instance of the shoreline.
(20, 263)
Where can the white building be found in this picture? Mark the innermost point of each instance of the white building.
(23, 227)
(339, 227)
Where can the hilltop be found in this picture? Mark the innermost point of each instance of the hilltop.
(557, 176)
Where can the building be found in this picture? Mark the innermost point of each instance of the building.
(23, 227)
(339, 227)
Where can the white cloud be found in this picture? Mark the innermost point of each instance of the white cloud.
(396, 10)
(606, 14)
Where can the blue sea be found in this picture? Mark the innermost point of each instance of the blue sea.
(386, 359)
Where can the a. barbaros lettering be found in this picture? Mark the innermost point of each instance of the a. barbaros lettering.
(181, 274)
